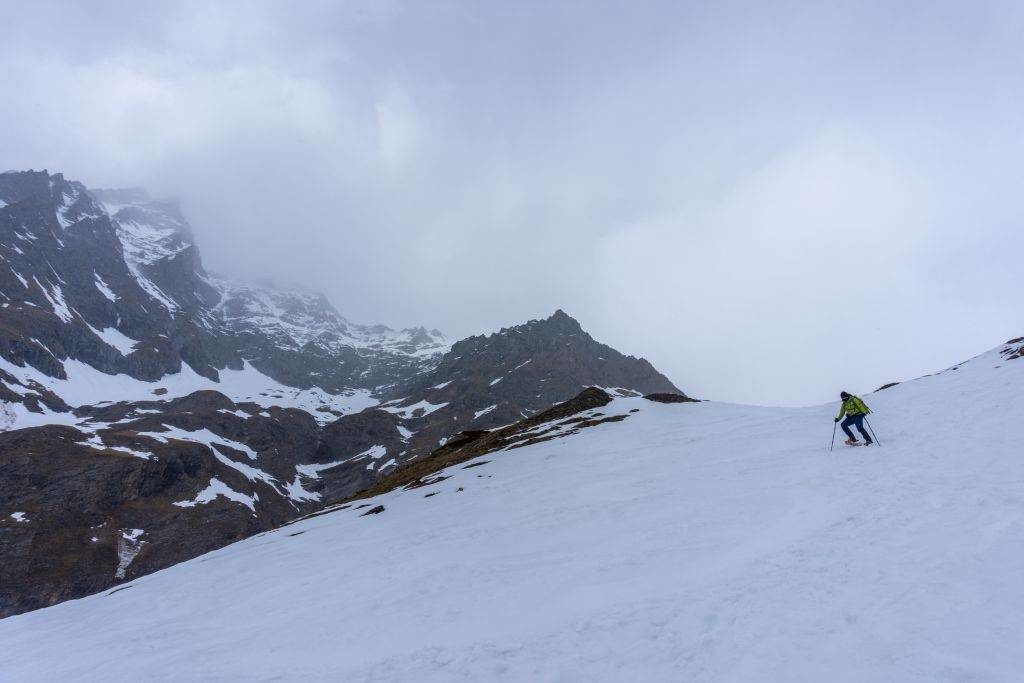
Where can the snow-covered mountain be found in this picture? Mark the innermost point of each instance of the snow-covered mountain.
(616, 539)
(200, 410)
(113, 279)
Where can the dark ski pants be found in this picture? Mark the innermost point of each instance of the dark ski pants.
(858, 422)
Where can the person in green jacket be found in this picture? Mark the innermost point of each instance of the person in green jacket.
(855, 410)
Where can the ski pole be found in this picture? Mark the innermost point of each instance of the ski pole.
(873, 436)
(833, 437)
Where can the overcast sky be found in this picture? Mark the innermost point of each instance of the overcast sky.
(769, 201)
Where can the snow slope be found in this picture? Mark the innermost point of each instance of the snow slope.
(689, 542)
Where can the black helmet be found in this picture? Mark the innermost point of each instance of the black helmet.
(843, 395)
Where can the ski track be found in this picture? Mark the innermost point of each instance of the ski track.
(696, 542)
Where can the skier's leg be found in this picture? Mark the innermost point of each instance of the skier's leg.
(845, 424)
(860, 428)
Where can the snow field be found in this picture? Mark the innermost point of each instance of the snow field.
(697, 542)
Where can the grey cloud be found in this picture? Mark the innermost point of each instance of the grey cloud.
(770, 202)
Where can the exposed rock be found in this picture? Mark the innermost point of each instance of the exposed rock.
(79, 486)
(1014, 349)
(671, 398)
(417, 472)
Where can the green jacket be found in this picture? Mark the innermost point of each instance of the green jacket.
(852, 406)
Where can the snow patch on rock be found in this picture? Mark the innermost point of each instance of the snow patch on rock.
(480, 413)
(407, 412)
(129, 545)
(113, 337)
(105, 289)
(215, 489)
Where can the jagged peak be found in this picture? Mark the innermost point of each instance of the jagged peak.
(558, 322)
(563, 319)
(30, 171)
(16, 186)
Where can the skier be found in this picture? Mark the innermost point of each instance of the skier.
(855, 411)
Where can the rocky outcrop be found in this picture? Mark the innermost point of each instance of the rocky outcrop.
(1014, 349)
(670, 398)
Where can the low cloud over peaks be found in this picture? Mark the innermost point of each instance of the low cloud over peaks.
(768, 203)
